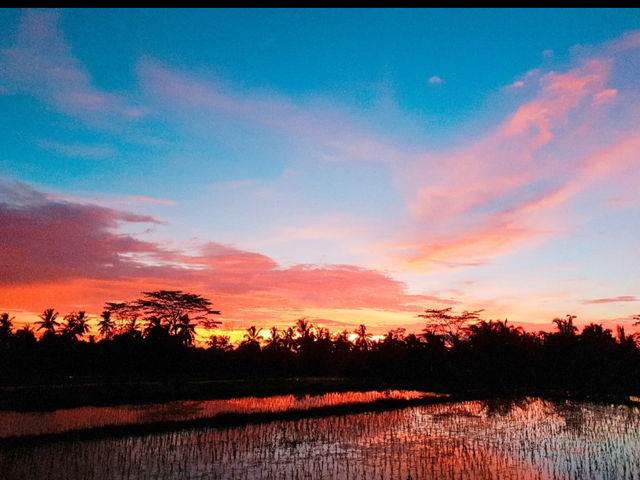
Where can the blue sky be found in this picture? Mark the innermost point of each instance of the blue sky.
(476, 158)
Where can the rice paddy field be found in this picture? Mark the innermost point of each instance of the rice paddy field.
(530, 438)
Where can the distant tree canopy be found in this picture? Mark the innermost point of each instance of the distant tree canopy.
(171, 305)
(447, 324)
(173, 311)
(153, 338)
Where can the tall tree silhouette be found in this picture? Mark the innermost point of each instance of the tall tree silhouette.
(288, 338)
(6, 325)
(219, 343)
(154, 327)
(252, 336)
(48, 321)
(75, 325)
(106, 325)
(565, 326)
(185, 330)
(126, 314)
(304, 328)
(449, 325)
(274, 342)
(171, 305)
(363, 339)
(596, 335)
(304, 341)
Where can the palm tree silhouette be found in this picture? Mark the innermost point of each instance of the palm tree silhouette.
(363, 339)
(6, 325)
(274, 341)
(304, 327)
(106, 325)
(219, 342)
(252, 336)
(288, 339)
(185, 330)
(566, 327)
(305, 335)
(75, 325)
(48, 321)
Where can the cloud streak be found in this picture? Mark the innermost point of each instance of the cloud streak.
(40, 62)
(514, 186)
(621, 298)
(318, 124)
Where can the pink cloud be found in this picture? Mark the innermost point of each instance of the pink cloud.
(44, 238)
(69, 253)
(621, 298)
(41, 62)
(513, 187)
(605, 96)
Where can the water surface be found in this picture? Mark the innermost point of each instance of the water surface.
(528, 439)
(17, 424)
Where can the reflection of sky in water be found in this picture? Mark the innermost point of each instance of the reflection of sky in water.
(30, 423)
(528, 439)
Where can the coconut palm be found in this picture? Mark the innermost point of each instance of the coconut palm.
(275, 341)
(219, 342)
(363, 339)
(48, 321)
(288, 338)
(185, 330)
(304, 328)
(6, 325)
(106, 325)
(75, 325)
(252, 336)
(306, 337)
(341, 341)
(565, 327)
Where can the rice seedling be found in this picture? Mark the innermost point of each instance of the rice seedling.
(529, 439)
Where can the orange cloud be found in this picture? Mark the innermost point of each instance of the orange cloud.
(509, 188)
(71, 256)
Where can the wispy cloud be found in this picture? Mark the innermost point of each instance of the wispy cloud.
(319, 125)
(621, 298)
(512, 187)
(41, 62)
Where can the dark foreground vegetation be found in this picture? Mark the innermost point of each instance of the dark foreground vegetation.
(145, 350)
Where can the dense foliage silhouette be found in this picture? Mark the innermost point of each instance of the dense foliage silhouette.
(155, 338)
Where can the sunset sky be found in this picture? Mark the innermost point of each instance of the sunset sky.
(349, 166)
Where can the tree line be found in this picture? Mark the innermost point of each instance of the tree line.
(153, 338)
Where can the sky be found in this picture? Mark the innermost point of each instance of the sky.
(348, 166)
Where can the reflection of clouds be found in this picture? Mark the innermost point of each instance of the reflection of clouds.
(524, 439)
(20, 424)
(170, 412)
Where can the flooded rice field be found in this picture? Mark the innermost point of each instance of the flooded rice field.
(531, 438)
(18, 424)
